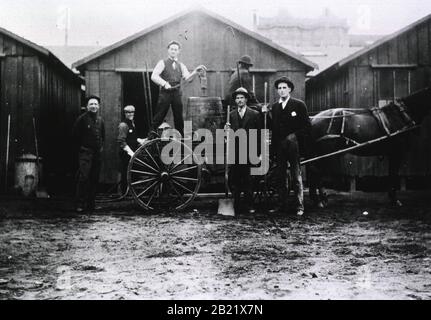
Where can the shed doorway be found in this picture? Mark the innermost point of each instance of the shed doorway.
(137, 94)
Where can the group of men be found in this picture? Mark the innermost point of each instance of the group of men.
(289, 122)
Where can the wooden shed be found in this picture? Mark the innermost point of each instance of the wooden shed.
(392, 67)
(35, 84)
(116, 73)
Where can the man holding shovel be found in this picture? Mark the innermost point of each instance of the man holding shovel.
(243, 119)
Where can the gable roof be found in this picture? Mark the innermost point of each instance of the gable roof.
(25, 42)
(213, 15)
(374, 45)
(41, 51)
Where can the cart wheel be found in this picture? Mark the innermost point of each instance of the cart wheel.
(156, 185)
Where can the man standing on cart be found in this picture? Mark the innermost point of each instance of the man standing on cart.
(168, 74)
(290, 127)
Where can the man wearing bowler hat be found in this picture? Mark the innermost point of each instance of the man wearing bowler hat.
(290, 126)
(243, 118)
(242, 79)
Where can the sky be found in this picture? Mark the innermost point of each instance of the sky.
(103, 22)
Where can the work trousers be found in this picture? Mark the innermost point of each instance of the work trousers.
(288, 151)
(124, 163)
(88, 177)
(169, 98)
(240, 181)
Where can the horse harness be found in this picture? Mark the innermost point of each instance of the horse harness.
(336, 127)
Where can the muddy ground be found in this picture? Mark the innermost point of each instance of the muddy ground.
(49, 252)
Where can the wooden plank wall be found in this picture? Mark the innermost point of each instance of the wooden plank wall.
(14, 81)
(210, 42)
(31, 87)
(411, 47)
(60, 102)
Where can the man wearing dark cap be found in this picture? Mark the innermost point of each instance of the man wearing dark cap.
(89, 135)
(290, 126)
(243, 118)
(128, 142)
(168, 74)
(241, 78)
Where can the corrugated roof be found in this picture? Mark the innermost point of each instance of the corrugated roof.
(142, 33)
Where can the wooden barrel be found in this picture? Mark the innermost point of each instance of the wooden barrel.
(207, 112)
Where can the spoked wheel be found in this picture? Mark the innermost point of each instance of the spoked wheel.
(164, 174)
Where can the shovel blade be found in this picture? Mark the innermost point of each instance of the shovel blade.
(225, 207)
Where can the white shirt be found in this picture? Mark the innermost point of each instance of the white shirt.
(160, 66)
(241, 111)
(284, 103)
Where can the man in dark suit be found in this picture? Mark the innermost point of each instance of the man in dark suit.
(243, 118)
(89, 136)
(290, 126)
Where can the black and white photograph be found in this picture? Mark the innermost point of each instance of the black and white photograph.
(215, 150)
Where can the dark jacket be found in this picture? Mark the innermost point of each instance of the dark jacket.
(234, 83)
(250, 120)
(293, 119)
(89, 131)
(127, 135)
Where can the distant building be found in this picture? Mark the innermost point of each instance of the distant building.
(70, 54)
(323, 40)
(291, 32)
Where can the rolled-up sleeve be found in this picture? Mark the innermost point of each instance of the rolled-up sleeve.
(122, 134)
(184, 71)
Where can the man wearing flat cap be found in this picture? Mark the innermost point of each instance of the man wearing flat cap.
(168, 74)
(243, 118)
(89, 136)
(128, 142)
(290, 126)
(241, 78)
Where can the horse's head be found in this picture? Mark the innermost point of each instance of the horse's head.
(418, 104)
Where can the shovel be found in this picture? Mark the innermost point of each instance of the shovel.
(226, 205)
(40, 192)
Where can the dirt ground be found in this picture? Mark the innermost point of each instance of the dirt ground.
(49, 252)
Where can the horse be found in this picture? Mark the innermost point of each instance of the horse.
(378, 131)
